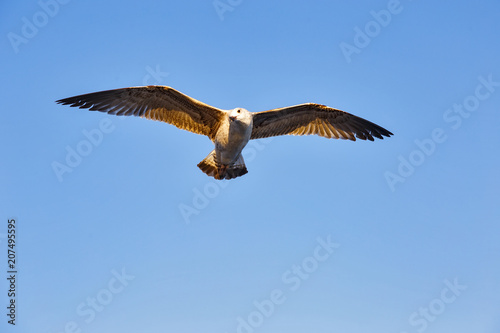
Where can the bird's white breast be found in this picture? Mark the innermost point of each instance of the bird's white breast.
(230, 140)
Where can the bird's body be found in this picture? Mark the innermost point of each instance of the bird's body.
(232, 136)
(229, 130)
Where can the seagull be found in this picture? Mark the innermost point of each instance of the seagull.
(229, 130)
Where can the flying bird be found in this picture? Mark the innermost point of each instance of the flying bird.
(229, 130)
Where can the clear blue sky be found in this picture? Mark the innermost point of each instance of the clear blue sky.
(399, 235)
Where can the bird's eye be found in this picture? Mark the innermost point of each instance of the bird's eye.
(238, 111)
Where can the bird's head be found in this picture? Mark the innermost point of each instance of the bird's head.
(240, 115)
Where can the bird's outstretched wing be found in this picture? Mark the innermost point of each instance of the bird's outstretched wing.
(307, 119)
(153, 102)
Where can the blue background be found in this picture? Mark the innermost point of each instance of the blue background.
(404, 233)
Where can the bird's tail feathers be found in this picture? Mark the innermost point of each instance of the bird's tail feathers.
(210, 166)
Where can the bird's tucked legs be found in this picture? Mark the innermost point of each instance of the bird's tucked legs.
(221, 171)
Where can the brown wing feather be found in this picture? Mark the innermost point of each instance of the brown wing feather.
(307, 119)
(153, 102)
